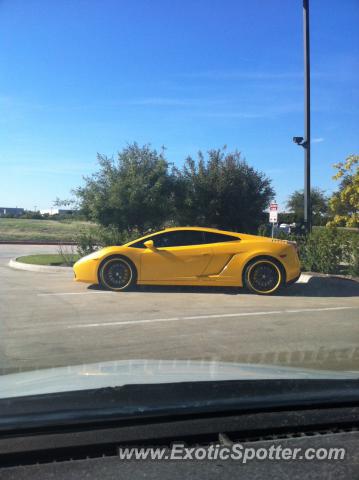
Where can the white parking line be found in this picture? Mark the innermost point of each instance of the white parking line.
(70, 293)
(205, 317)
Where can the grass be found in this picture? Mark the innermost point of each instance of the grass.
(52, 259)
(21, 229)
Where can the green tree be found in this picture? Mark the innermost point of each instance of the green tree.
(295, 205)
(221, 191)
(344, 204)
(135, 192)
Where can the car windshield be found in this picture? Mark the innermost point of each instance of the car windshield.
(178, 192)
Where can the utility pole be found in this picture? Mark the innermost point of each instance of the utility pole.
(307, 198)
(305, 142)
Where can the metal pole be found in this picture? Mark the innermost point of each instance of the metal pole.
(306, 143)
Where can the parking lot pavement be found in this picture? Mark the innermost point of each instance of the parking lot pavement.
(47, 320)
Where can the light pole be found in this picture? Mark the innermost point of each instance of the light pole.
(305, 142)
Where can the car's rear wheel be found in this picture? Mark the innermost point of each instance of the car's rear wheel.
(263, 276)
(117, 274)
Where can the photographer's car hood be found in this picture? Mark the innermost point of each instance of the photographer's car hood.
(131, 372)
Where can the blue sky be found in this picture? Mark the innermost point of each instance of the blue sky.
(81, 77)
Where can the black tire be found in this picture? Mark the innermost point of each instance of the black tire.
(117, 274)
(263, 276)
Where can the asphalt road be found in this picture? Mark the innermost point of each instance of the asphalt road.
(48, 320)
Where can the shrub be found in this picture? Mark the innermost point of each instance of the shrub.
(354, 266)
(67, 254)
(351, 253)
(86, 242)
(327, 250)
(90, 240)
(322, 251)
(32, 215)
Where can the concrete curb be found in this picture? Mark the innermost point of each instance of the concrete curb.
(34, 242)
(13, 263)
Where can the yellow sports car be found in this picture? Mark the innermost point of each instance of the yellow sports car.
(193, 256)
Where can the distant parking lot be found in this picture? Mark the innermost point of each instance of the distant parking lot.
(48, 320)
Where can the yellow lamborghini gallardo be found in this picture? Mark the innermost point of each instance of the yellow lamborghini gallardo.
(193, 256)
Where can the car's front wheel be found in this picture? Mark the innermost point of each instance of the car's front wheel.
(117, 274)
(263, 276)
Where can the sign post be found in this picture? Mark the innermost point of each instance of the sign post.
(273, 215)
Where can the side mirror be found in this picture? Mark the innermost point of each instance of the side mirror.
(149, 244)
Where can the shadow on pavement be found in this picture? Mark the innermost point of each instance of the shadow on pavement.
(323, 287)
(316, 287)
(180, 289)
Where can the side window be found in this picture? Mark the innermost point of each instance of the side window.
(169, 239)
(178, 238)
(141, 243)
(211, 237)
(138, 244)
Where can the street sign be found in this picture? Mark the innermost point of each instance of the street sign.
(273, 213)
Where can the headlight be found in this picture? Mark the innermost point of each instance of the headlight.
(91, 256)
